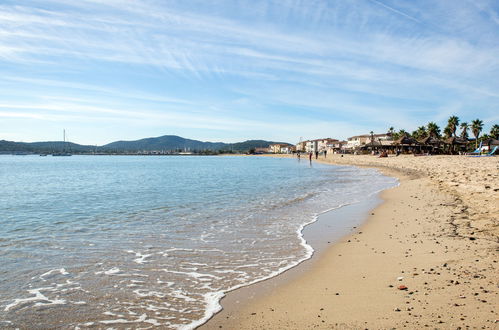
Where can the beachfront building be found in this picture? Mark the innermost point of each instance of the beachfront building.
(354, 142)
(300, 146)
(316, 145)
(358, 141)
(311, 146)
(288, 149)
(275, 148)
(334, 146)
(280, 148)
(323, 144)
(382, 137)
(320, 145)
(260, 150)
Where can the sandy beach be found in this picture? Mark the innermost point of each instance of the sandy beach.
(426, 257)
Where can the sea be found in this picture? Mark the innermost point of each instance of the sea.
(155, 241)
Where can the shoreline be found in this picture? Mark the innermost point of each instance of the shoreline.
(320, 242)
(328, 229)
(413, 234)
(325, 229)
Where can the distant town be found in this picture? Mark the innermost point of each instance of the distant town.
(454, 139)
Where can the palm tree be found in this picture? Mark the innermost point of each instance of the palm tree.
(391, 130)
(401, 133)
(476, 128)
(433, 129)
(494, 131)
(464, 130)
(447, 131)
(452, 124)
(420, 133)
(485, 137)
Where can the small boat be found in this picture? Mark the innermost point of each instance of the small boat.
(64, 152)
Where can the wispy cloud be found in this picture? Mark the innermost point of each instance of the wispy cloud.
(398, 12)
(151, 61)
(103, 90)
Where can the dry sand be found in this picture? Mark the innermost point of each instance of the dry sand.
(435, 235)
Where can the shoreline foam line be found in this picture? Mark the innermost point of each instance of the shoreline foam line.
(430, 231)
(219, 295)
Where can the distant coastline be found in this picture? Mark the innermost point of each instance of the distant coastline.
(163, 145)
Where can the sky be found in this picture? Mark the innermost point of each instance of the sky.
(233, 70)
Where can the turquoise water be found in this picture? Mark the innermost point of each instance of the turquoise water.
(154, 241)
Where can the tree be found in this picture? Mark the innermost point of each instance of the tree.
(476, 128)
(391, 130)
(494, 131)
(484, 137)
(432, 129)
(452, 124)
(447, 131)
(420, 133)
(464, 130)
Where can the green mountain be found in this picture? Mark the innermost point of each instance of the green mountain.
(43, 147)
(251, 144)
(54, 146)
(13, 146)
(166, 142)
(163, 143)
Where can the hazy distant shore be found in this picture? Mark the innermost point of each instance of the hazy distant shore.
(161, 145)
(425, 257)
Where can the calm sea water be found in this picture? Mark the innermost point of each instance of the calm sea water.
(123, 241)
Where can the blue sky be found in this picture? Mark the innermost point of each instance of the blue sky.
(235, 70)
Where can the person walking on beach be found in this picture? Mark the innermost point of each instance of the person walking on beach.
(316, 154)
(310, 156)
(325, 153)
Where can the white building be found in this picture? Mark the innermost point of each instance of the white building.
(320, 145)
(360, 140)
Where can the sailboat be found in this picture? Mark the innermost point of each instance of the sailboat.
(64, 152)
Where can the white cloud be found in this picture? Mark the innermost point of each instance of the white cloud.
(325, 57)
(396, 11)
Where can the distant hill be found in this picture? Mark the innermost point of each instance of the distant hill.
(251, 144)
(46, 147)
(13, 146)
(173, 142)
(59, 145)
(166, 143)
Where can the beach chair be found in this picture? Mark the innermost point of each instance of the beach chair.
(477, 151)
(490, 154)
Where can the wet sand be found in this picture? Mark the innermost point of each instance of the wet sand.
(426, 257)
